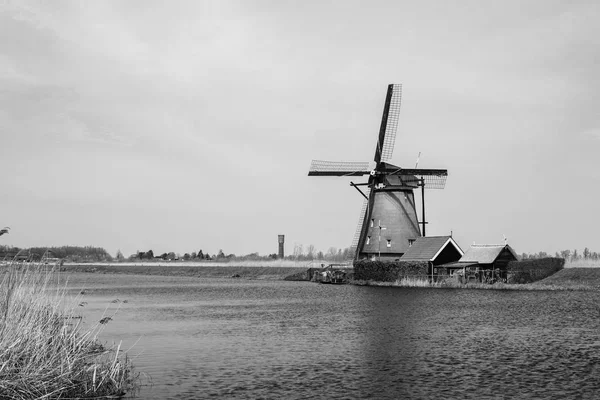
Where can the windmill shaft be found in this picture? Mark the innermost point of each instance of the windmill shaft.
(423, 206)
(357, 188)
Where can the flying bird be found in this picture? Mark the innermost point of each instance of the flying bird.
(4, 230)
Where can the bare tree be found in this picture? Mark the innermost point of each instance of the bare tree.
(586, 253)
(310, 252)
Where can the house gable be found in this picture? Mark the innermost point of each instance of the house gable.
(435, 249)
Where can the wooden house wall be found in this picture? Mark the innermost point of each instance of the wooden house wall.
(503, 259)
(397, 213)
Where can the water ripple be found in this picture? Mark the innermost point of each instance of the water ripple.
(260, 339)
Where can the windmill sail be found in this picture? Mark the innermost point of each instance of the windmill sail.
(389, 124)
(361, 220)
(338, 168)
(389, 191)
(430, 181)
(432, 178)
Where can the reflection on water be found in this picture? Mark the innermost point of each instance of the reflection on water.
(231, 338)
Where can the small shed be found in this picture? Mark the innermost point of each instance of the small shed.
(483, 262)
(436, 250)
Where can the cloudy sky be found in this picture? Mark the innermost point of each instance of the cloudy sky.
(178, 126)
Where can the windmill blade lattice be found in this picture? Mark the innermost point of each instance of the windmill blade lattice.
(338, 168)
(391, 115)
(430, 181)
(432, 178)
(361, 220)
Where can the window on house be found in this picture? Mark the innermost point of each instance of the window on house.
(368, 239)
(389, 243)
(372, 222)
(411, 242)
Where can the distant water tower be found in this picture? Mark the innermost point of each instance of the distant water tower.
(281, 241)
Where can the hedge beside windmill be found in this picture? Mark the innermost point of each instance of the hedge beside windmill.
(388, 222)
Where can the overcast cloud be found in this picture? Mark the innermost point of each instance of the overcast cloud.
(179, 126)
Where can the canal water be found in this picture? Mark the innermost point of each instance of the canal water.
(247, 339)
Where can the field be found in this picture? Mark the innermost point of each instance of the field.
(577, 275)
(234, 263)
(247, 269)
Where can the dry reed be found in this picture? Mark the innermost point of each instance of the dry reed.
(44, 352)
(453, 284)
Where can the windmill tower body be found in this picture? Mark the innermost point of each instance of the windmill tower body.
(396, 211)
(388, 223)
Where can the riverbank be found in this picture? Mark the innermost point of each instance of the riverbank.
(573, 278)
(570, 278)
(55, 358)
(269, 271)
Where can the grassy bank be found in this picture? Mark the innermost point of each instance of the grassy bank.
(200, 271)
(43, 352)
(450, 284)
(566, 279)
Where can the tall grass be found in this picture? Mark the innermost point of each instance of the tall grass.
(450, 283)
(44, 352)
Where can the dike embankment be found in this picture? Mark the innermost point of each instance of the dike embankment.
(180, 269)
(573, 279)
(570, 278)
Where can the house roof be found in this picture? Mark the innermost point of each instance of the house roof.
(458, 265)
(427, 248)
(485, 254)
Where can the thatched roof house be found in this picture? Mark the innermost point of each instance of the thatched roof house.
(479, 258)
(489, 255)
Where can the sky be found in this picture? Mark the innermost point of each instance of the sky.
(188, 125)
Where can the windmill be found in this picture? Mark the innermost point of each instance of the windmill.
(389, 191)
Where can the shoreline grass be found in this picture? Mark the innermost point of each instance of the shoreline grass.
(44, 352)
(450, 284)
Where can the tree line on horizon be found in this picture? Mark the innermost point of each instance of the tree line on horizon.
(69, 253)
(567, 255)
(299, 253)
(99, 254)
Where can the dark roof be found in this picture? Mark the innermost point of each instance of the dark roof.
(458, 265)
(427, 248)
(485, 253)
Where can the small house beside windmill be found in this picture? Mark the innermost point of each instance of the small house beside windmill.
(482, 262)
(388, 223)
(435, 250)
